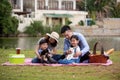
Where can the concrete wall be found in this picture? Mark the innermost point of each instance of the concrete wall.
(110, 27)
(111, 23)
(91, 31)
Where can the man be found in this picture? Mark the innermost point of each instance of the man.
(67, 33)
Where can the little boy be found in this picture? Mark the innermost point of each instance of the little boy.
(45, 53)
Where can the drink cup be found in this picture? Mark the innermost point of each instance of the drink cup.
(18, 50)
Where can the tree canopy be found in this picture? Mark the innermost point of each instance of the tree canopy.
(8, 24)
(99, 9)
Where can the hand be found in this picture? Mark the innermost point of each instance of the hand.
(50, 55)
(51, 52)
(77, 54)
(39, 57)
(68, 52)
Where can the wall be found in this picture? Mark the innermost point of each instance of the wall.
(111, 27)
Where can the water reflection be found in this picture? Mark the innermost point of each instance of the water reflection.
(107, 42)
(27, 42)
(30, 42)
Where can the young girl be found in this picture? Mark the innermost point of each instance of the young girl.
(74, 50)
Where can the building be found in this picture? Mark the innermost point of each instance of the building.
(51, 12)
(118, 0)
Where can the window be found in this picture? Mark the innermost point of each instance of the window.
(28, 5)
(67, 5)
(15, 4)
(53, 4)
(41, 4)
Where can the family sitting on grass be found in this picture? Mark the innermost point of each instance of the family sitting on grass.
(76, 48)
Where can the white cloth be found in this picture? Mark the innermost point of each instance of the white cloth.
(74, 50)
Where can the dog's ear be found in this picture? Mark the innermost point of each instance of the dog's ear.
(46, 51)
(43, 52)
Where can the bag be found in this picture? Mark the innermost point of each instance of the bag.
(98, 58)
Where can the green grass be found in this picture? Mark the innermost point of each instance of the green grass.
(58, 73)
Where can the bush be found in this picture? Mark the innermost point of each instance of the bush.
(91, 22)
(15, 23)
(67, 22)
(81, 23)
(47, 29)
(10, 26)
(35, 28)
(56, 28)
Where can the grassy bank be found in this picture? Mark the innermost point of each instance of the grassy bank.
(58, 73)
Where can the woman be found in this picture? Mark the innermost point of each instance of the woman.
(52, 40)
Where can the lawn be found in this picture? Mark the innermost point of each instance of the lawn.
(91, 72)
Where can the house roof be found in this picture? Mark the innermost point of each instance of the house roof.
(57, 15)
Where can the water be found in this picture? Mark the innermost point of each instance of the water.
(30, 42)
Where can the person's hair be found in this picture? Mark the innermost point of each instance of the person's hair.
(42, 42)
(52, 44)
(65, 28)
(75, 37)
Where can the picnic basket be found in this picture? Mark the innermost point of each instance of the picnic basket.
(98, 58)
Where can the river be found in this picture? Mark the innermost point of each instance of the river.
(28, 43)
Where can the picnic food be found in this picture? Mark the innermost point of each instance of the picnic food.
(110, 51)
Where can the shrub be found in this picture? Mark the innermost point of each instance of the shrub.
(56, 28)
(10, 26)
(92, 22)
(35, 28)
(81, 23)
(47, 29)
(67, 21)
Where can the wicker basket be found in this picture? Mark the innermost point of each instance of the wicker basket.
(98, 58)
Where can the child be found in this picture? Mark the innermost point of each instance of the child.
(45, 53)
(74, 50)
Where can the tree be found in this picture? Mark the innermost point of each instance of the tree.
(80, 5)
(115, 11)
(97, 9)
(5, 12)
(8, 24)
(103, 8)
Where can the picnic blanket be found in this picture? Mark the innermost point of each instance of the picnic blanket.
(28, 63)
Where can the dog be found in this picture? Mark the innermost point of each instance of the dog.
(46, 58)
